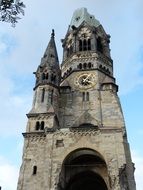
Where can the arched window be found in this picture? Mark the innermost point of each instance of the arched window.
(89, 65)
(80, 66)
(99, 45)
(80, 45)
(84, 45)
(43, 95)
(89, 44)
(87, 96)
(84, 65)
(34, 170)
(42, 125)
(83, 96)
(37, 127)
(43, 76)
(100, 66)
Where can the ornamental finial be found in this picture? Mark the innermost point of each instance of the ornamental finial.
(53, 33)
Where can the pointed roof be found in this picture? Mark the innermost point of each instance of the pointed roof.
(50, 56)
(81, 15)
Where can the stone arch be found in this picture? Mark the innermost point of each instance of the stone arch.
(86, 180)
(83, 162)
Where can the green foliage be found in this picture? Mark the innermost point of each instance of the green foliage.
(10, 11)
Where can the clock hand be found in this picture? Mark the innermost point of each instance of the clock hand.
(87, 78)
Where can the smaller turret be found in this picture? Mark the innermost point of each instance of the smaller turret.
(48, 71)
(47, 81)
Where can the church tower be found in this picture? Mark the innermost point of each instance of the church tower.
(75, 137)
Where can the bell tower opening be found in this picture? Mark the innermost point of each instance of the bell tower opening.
(83, 169)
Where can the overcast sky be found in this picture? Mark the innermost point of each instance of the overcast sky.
(21, 49)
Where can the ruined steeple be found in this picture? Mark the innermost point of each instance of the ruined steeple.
(47, 81)
(48, 71)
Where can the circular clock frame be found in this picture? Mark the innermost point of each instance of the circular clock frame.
(85, 81)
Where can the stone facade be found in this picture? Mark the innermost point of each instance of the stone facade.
(75, 136)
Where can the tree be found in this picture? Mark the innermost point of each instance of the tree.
(9, 11)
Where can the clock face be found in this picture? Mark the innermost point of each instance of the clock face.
(85, 81)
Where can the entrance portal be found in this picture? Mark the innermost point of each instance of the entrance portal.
(86, 181)
(83, 169)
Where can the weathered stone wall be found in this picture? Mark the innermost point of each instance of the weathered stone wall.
(48, 152)
(84, 113)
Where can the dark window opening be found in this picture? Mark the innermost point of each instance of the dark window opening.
(89, 65)
(89, 44)
(99, 45)
(83, 96)
(52, 55)
(43, 95)
(42, 125)
(80, 66)
(80, 45)
(50, 96)
(43, 76)
(84, 65)
(100, 66)
(87, 96)
(37, 126)
(84, 45)
(34, 170)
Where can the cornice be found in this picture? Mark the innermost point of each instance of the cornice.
(87, 55)
(32, 115)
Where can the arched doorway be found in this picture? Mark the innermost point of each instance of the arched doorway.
(87, 180)
(83, 169)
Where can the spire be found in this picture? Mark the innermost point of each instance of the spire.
(48, 71)
(50, 57)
